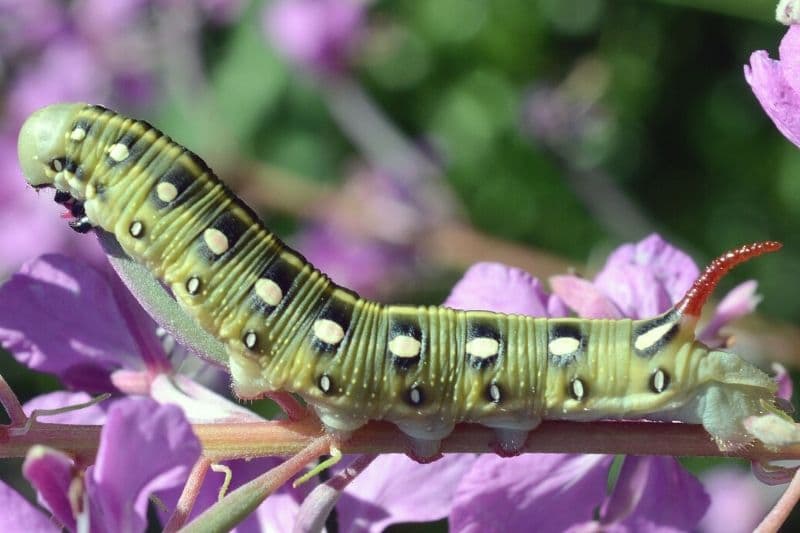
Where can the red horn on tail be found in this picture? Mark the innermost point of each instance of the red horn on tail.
(696, 296)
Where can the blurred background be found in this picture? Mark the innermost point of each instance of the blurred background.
(396, 143)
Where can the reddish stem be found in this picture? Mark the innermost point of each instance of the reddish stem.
(289, 404)
(189, 495)
(778, 515)
(696, 296)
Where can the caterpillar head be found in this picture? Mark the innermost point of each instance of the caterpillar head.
(42, 146)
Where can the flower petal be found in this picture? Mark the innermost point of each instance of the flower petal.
(50, 317)
(144, 447)
(499, 288)
(52, 473)
(738, 501)
(789, 51)
(583, 297)
(315, 34)
(198, 403)
(741, 300)
(648, 277)
(395, 489)
(779, 100)
(655, 494)
(552, 491)
(20, 515)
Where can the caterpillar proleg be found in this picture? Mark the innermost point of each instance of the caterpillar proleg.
(287, 327)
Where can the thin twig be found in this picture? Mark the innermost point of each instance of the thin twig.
(225, 514)
(778, 515)
(189, 495)
(289, 404)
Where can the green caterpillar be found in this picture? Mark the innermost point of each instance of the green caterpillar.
(287, 327)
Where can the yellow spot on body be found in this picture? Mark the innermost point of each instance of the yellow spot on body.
(483, 347)
(216, 241)
(118, 152)
(166, 191)
(78, 134)
(651, 336)
(563, 345)
(268, 291)
(405, 346)
(328, 331)
(90, 191)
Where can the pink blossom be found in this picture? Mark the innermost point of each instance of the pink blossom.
(776, 84)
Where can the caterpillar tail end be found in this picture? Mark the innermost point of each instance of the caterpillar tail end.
(42, 139)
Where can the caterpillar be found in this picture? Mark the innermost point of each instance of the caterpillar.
(287, 327)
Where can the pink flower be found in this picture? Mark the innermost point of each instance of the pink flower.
(144, 448)
(644, 279)
(317, 35)
(562, 492)
(776, 84)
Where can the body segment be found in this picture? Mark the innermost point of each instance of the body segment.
(288, 327)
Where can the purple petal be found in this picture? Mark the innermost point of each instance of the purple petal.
(19, 515)
(499, 288)
(51, 314)
(784, 381)
(583, 297)
(395, 489)
(550, 491)
(198, 403)
(789, 51)
(52, 474)
(741, 300)
(556, 308)
(29, 24)
(655, 494)
(315, 34)
(93, 414)
(776, 95)
(363, 264)
(144, 447)
(738, 501)
(646, 278)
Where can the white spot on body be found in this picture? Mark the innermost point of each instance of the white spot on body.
(494, 393)
(415, 396)
(250, 339)
(651, 336)
(268, 291)
(328, 331)
(78, 134)
(563, 345)
(166, 191)
(118, 152)
(193, 285)
(659, 381)
(405, 346)
(483, 347)
(216, 241)
(58, 165)
(578, 390)
(325, 383)
(137, 229)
